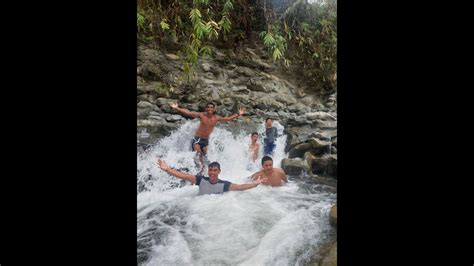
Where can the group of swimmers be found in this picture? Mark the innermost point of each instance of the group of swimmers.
(212, 184)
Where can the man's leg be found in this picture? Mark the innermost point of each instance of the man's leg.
(197, 148)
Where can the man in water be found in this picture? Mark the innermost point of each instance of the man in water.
(209, 120)
(211, 184)
(275, 177)
(254, 147)
(270, 136)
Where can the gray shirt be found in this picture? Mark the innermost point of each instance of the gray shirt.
(206, 187)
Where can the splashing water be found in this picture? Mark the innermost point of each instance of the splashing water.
(261, 226)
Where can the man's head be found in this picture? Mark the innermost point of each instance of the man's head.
(210, 108)
(254, 136)
(213, 170)
(268, 122)
(267, 163)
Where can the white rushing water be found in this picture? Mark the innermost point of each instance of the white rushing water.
(261, 226)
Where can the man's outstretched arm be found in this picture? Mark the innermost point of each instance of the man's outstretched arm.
(164, 166)
(184, 111)
(248, 185)
(232, 117)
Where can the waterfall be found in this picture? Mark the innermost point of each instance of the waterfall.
(262, 226)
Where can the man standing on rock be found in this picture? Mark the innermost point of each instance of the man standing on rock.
(271, 133)
(209, 120)
(275, 177)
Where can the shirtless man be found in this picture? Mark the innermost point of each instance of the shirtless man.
(209, 120)
(275, 176)
(254, 146)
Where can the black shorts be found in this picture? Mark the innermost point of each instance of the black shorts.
(202, 143)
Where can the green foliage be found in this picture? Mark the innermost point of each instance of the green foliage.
(140, 21)
(300, 35)
(164, 25)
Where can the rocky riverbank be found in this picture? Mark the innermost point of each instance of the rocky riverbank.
(231, 80)
(244, 78)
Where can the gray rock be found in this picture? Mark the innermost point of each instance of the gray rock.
(319, 165)
(156, 113)
(300, 93)
(227, 102)
(283, 114)
(325, 124)
(145, 88)
(155, 117)
(317, 143)
(144, 105)
(319, 115)
(256, 87)
(244, 71)
(299, 150)
(325, 135)
(272, 115)
(286, 99)
(206, 67)
(160, 89)
(262, 65)
(298, 121)
(294, 166)
(149, 71)
(174, 118)
(266, 103)
(298, 134)
(325, 164)
(172, 56)
(307, 100)
(210, 77)
(163, 101)
(142, 97)
(241, 90)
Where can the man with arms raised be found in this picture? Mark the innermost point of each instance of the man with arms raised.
(209, 120)
(211, 184)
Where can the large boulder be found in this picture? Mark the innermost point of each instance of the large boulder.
(294, 166)
(299, 150)
(297, 135)
(326, 164)
(319, 165)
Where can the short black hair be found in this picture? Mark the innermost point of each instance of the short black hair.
(254, 133)
(213, 105)
(215, 164)
(266, 158)
(268, 118)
